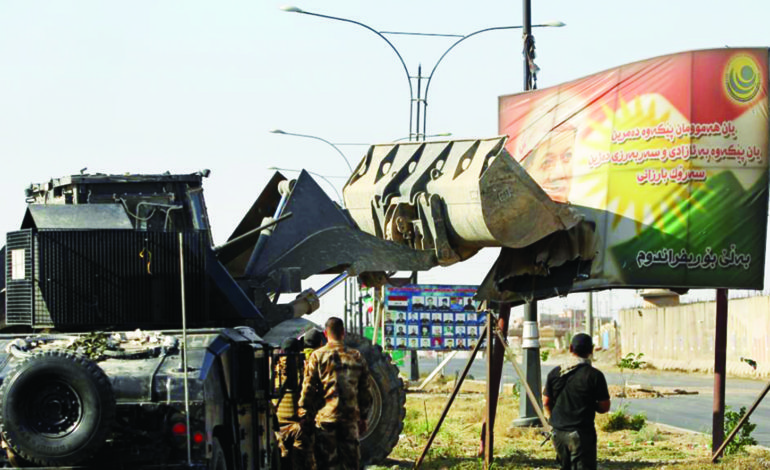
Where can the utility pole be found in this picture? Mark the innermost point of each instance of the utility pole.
(590, 315)
(530, 343)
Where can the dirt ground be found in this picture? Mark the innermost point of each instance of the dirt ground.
(456, 445)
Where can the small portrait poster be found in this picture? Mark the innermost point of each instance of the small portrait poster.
(431, 317)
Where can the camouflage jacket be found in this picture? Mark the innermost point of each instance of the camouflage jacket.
(336, 385)
(288, 409)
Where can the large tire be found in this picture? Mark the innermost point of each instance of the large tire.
(56, 409)
(386, 418)
(218, 456)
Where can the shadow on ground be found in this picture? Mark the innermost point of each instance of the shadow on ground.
(511, 461)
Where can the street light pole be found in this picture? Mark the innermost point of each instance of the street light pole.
(293, 9)
(423, 101)
(280, 132)
(527, 29)
(530, 334)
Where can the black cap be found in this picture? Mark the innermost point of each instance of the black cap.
(582, 344)
(313, 339)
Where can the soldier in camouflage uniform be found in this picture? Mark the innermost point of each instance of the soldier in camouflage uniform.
(295, 437)
(335, 395)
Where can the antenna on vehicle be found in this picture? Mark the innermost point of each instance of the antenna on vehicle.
(184, 349)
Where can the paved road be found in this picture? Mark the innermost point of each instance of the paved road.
(687, 411)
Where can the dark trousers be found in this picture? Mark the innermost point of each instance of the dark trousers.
(575, 450)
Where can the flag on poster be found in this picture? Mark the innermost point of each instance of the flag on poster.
(431, 317)
(668, 157)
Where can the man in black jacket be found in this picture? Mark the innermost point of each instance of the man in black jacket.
(574, 392)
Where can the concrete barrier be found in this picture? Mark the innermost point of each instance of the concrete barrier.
(682, 337)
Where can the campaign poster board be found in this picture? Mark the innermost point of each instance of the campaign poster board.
(432, 317)
(668, 157)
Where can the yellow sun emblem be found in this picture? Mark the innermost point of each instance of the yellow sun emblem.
(742, 79)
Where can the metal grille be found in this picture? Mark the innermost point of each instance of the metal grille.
(118, 279)
(19, 275)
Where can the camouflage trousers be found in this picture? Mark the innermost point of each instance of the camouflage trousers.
(337, 446)
(296, 442)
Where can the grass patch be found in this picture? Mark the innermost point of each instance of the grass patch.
(619, 420)
(457, 443)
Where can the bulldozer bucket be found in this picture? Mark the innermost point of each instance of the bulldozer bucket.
(235, 256)
(451, 197)
(318, 238)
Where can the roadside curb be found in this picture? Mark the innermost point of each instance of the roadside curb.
(690, 431)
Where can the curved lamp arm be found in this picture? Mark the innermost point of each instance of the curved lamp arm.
(279, 131)
(556, 24)
(293, 9)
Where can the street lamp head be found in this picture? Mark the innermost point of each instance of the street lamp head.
(291, 9)
(555, 24)
(277, 131)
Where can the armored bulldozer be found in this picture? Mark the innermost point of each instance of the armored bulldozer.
(130, 341)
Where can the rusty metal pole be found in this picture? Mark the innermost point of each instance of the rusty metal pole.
(720, 369)
(451, 400)
(491, 408)
(738, 426)
(495, 376)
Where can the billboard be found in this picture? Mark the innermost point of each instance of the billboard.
(667, 157)
(431, 317)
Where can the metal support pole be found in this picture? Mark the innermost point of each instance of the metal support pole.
(530, 346)
(360, 312)
(738, 426)
(377, 308)
(489, 438)
(720, 368)
(414, 366)
(184, 349)
(450, 401)
(495, 377)
(530, 394)
(526, 19)
(414, 360)
(347, 305)
(419, 104)
(590, 315)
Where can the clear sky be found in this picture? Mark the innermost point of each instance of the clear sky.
(150, 85)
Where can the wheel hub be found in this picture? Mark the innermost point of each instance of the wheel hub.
(55, 409)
